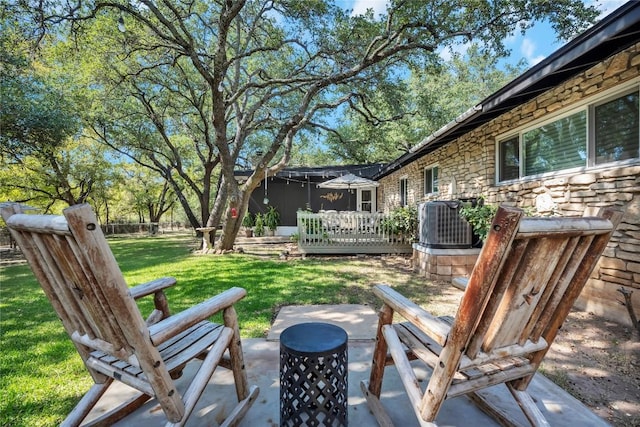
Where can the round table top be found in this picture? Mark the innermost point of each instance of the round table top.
(313, 337)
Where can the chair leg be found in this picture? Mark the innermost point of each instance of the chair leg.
(528, 406)
(375, 406)
(505, 417)
(380, 353)
(371, 389)
(407, 375)
(202, 377)
(87, 403)
(236, 355)
(486, 405)
(89, 400)
(118, 413)
(241, 409)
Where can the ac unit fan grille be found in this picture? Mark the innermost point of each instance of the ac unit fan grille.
(442, 227)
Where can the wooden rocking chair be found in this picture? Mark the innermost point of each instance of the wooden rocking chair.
(523, 285)
(77, 271)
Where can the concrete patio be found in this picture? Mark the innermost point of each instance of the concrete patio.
(262, 364)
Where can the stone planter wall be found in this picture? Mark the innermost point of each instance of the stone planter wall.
(443, 264)
(467, 169)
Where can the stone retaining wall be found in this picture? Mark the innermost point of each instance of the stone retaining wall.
(467, 169)
(443, 264)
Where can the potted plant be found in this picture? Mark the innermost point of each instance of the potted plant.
(248, 223)
(258, 229)
(271, 220)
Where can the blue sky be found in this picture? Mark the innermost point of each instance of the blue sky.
(538, 42)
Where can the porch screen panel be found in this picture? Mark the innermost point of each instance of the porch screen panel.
(561, 144)
(617, 129)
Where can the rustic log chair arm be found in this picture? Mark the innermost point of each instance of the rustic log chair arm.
(155, 287)
(152, 287)
(179, 322)
(435, 328)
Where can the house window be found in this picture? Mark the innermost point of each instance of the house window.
(509, 165)
(430, 180)
(366, 200)
(615, 132)
(404, 184)
(561, 144)
(598, 133)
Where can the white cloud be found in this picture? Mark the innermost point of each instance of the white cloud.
(361, 6)
(533, 61)
(528, 50)
(527, 47)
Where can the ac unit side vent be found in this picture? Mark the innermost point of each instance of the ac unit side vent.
(441, 226)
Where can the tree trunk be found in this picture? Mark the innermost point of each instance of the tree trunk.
(232, 225)
(238, 200)
(193, 221)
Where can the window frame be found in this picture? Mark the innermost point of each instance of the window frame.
(588, 105)
(404, 192)
(523, 142)
(435, 188)
(371, 202)
(499, 143)
(591, 132)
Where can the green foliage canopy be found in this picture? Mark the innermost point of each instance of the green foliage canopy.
(199, 88)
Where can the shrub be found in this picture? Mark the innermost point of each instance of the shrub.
(272, 218)
(248, 221)
(402, 220)
(259, 227)
(480, 216)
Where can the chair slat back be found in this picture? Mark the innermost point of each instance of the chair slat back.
(527, 277)
(78, 273)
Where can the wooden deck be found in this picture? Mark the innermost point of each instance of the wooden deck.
(348, 233)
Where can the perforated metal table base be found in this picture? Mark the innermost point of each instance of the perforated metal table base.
(313, 375)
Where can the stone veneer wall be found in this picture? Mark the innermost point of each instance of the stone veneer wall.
(467, 169)
(443, 264)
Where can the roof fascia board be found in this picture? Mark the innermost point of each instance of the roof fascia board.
(585, 42)
(606, 30)
(443, 130)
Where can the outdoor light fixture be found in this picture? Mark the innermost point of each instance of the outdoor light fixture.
(121, 26)
(266, 199)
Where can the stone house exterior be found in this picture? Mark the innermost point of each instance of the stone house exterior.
(512, 149)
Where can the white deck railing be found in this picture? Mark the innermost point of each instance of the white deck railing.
(348, 232)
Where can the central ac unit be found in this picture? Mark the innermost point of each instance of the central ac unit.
(441, 225)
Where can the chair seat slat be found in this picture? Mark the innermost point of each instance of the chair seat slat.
(174, 353)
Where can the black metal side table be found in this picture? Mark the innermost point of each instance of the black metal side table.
(313, 375)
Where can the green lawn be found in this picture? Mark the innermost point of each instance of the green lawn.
(41, 375)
